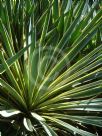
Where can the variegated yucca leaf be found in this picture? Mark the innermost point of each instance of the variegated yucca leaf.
(50, 67)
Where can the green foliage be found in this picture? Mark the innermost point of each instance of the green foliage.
(50, 67)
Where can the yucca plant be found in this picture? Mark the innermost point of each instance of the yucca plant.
(50, 68)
